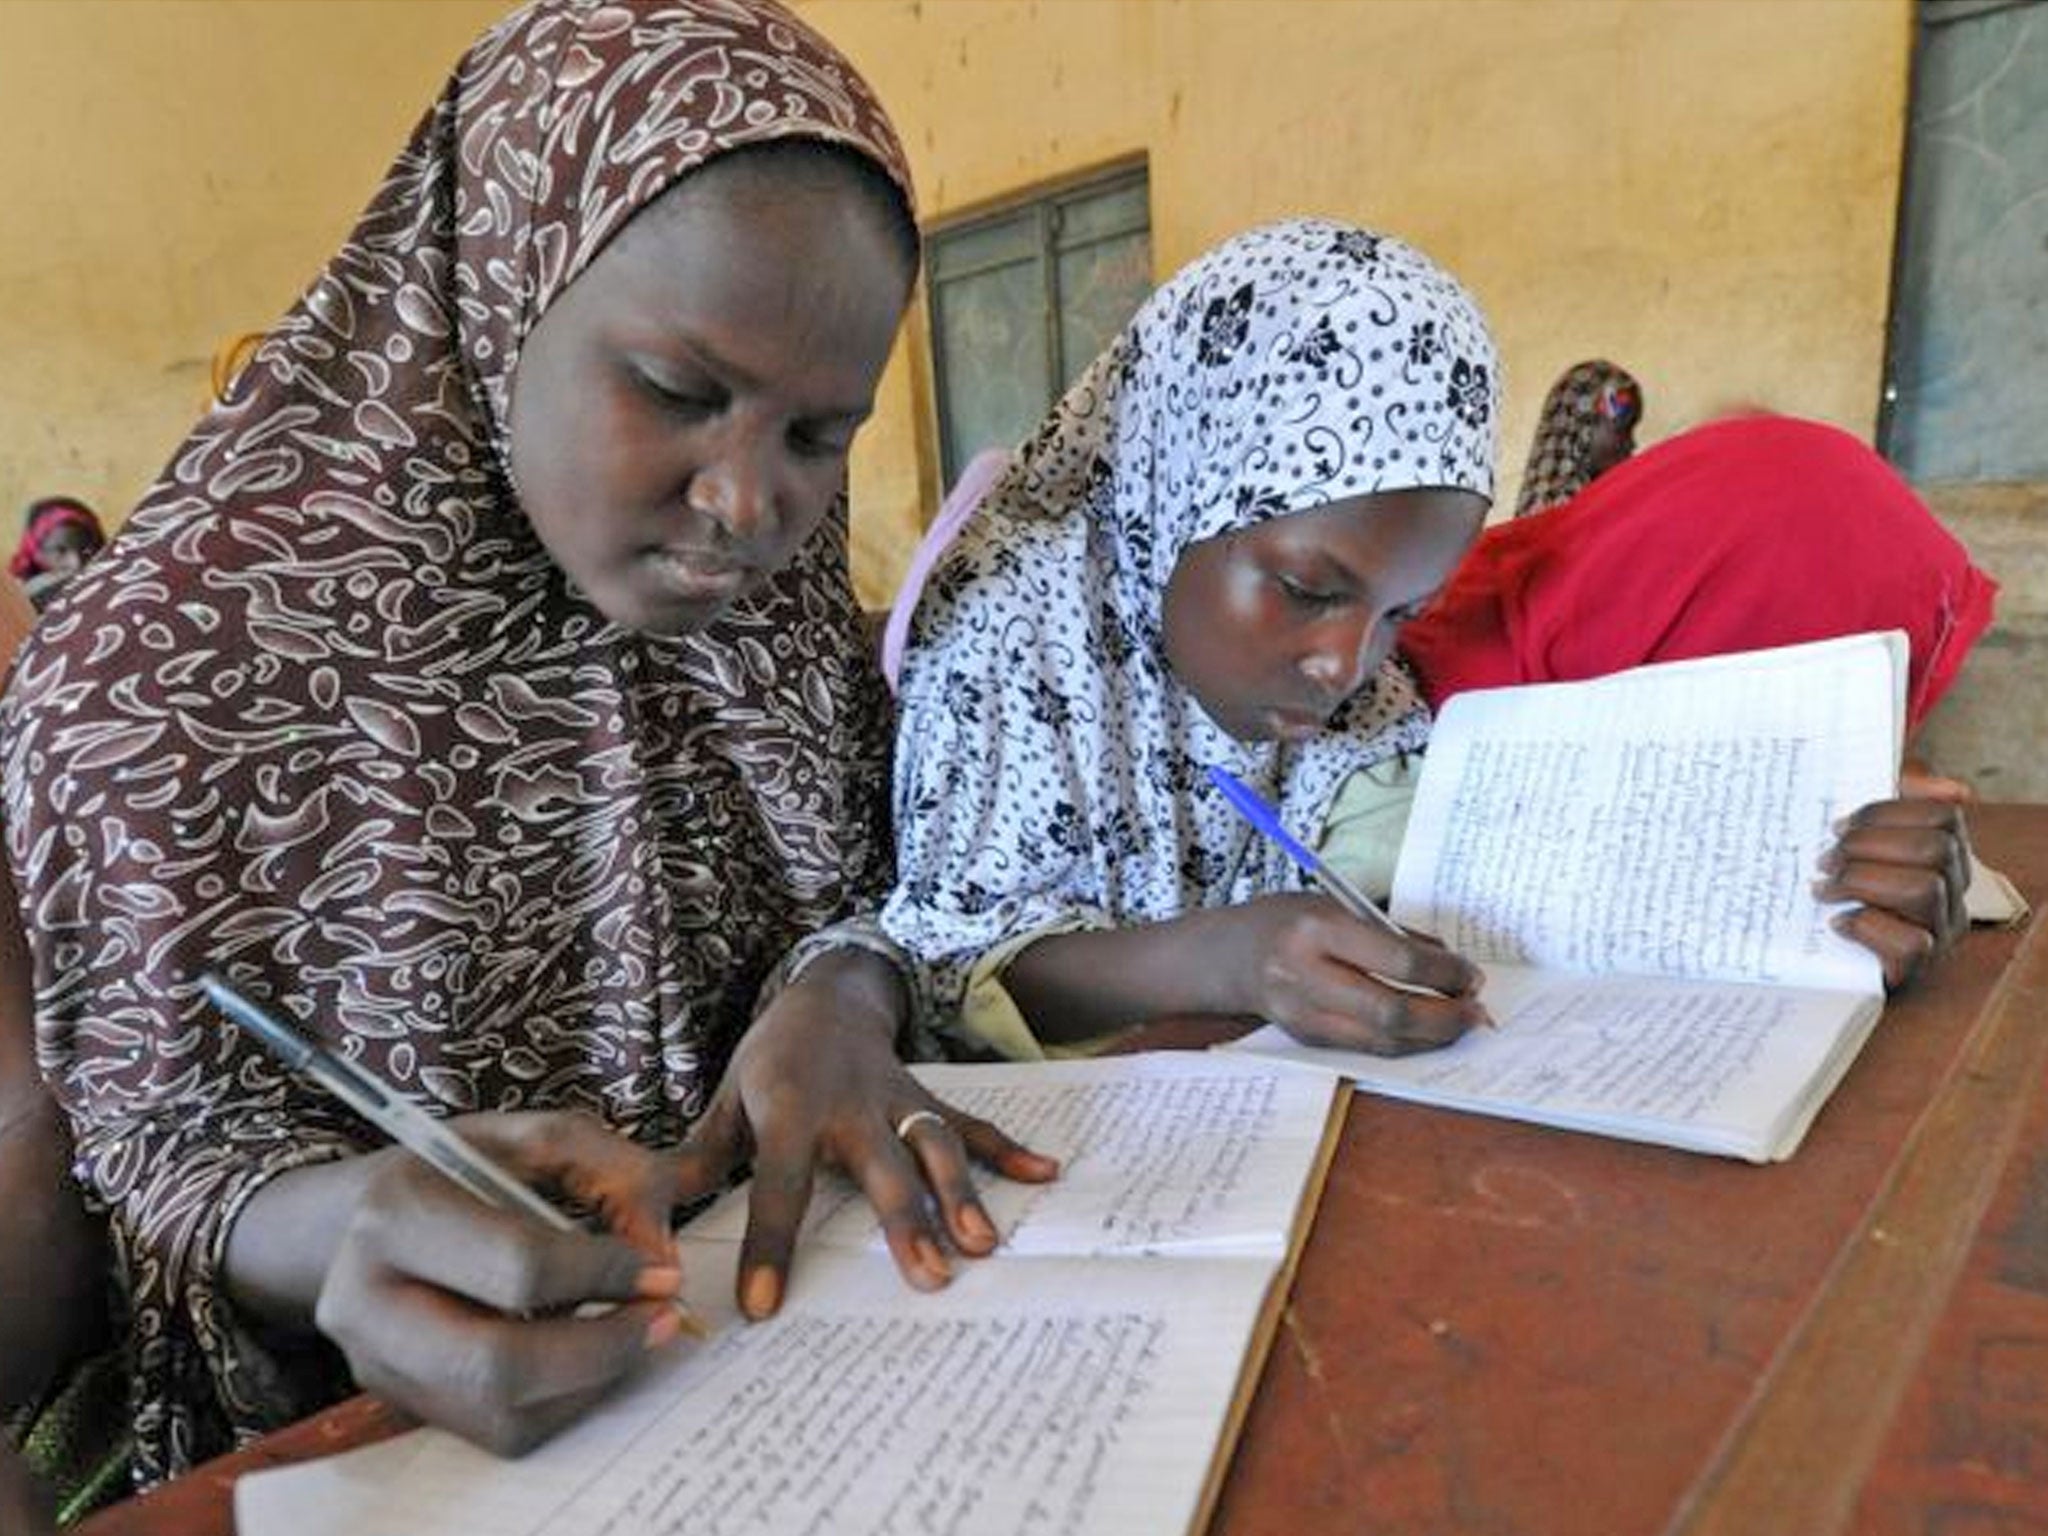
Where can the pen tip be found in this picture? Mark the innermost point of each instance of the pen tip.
(690, 1323)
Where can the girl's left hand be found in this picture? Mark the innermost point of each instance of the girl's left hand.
(1907, 861)
(817, 1079)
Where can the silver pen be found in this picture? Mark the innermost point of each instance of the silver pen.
(404, 1122)
(392, 1113)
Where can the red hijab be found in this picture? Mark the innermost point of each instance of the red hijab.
(1748, 533)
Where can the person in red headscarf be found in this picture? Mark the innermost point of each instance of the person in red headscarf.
(1752, 532)
(59, 534)
(1747, 533)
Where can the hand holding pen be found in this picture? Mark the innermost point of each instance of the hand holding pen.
(1355, 981)
(456, 1291)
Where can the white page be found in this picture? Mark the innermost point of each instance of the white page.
(1171, 1151)
(1036, 1394)
(1032, 1396)
(1664, 821)
(1710, 1066)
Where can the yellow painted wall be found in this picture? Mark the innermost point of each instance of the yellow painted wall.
(173, 172)
(1703, 189)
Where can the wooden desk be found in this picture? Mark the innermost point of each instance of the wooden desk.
(1506, 1330)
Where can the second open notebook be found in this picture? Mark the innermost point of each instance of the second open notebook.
(1630, 860)
(1086, 1380)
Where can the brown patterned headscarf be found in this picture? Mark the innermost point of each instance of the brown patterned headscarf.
(1561, 459)
(329, 720)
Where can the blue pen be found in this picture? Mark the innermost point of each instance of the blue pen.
(1335, 886)
(1348, 896)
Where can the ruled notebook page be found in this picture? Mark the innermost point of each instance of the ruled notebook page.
(1079, 1382)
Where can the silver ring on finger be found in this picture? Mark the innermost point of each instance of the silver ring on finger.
(914, 1119)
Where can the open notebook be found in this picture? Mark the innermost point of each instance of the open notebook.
(1630, 860)
(1087, 1380)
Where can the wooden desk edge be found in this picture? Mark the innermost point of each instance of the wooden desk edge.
(1252, 1369)
(1799, 1455)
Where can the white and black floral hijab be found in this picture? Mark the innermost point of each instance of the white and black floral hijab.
(1048, 765)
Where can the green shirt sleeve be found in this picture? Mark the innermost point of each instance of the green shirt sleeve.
(1363, 831)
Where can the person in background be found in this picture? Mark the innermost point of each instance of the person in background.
(1588, 425)
(58, 535)
(482, 687)
(1746, 533)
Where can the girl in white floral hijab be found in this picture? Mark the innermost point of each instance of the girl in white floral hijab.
(1201, 558)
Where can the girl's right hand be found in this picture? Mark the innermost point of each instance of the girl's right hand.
(463, 1314)
(1326, 978)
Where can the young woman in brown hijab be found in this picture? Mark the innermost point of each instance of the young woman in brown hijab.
(482, 685)
(35, 1323)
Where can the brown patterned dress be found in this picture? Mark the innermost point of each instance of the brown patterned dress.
(327, 718)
